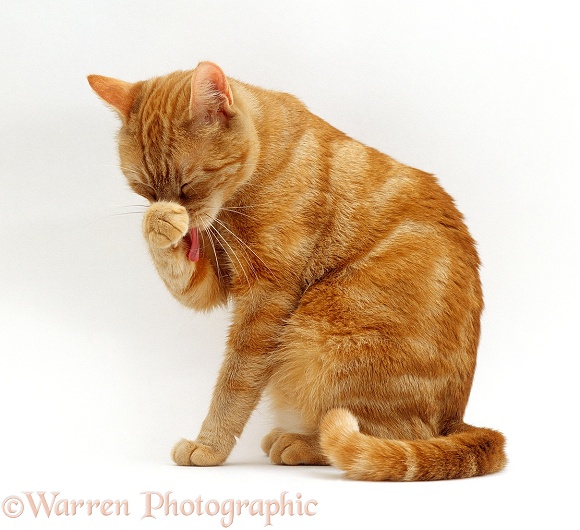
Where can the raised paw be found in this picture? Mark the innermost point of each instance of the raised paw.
(293, 449)
(165, 224)
(189, 453)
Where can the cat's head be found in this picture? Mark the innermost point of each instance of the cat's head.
(184, 138)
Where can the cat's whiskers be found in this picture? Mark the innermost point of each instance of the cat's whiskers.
(143, 206)
(245, 254)
(244, 246)
(221, 237)
(206, 230)
(109, 216)
(239, 213)
(123, 213)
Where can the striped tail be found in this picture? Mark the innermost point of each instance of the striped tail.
(466, 452)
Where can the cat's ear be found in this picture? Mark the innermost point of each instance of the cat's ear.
(211, 95)
(119, 94)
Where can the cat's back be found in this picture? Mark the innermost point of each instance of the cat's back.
(375, 202)
(350, 201)
(362, 181)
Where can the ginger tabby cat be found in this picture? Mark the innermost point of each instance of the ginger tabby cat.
(353, 280)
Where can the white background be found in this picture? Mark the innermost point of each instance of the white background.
(102, 371)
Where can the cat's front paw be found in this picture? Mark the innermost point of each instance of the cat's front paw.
(165, 224)
(189, 453)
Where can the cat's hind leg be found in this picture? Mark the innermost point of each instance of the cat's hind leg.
(293, 449)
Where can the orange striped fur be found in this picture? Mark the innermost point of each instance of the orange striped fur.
(352, 278)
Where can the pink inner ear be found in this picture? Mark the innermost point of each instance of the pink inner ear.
(211, 94)
(219, 80)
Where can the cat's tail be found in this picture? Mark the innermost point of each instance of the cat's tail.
(466, 452)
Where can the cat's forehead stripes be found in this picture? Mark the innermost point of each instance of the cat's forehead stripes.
(163, 109)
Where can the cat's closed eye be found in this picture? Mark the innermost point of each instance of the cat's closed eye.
(187, 191)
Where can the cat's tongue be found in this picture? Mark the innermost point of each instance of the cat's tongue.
(193, 253)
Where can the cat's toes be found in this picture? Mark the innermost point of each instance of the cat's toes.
(270, 438)
(189, 453)
(292, 449)
(165, 224)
